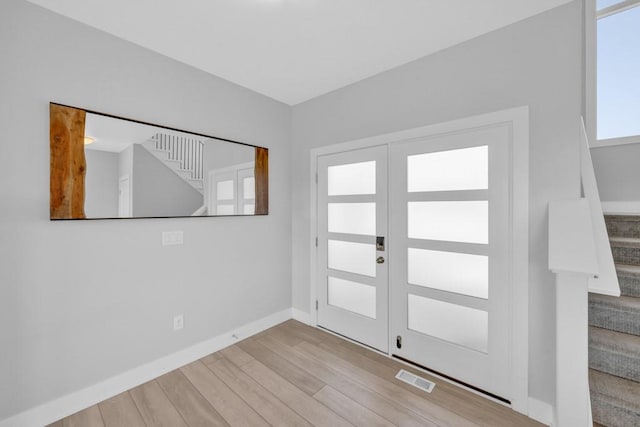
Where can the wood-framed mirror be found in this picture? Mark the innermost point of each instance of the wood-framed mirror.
(105, 167)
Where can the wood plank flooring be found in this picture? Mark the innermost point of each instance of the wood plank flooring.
(294, 375)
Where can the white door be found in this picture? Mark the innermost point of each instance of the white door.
(450, 255)
(222, 193)
(352, 231)
(124, 197)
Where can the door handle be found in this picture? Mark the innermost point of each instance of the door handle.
(380, 260)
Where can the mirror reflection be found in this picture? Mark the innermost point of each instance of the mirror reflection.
(133, 170)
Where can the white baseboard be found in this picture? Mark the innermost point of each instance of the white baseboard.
(76, 401)
(301, 316)
(621, 208)
(541, 411)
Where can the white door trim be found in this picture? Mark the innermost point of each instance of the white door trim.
(129, 207)
(518, 119)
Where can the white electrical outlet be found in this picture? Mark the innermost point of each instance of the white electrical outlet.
(178, 322)
(172, 237)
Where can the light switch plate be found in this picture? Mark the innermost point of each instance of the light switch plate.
(178, 322)
(172, 237)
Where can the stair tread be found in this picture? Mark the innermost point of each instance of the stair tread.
(619, 391)
(625, 242)
(175, 162)
(614, 341)
(628, 270)
(621, 303)
(628, 217)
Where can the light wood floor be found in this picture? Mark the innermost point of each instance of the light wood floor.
(294, 375)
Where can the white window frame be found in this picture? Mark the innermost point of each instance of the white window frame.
(591, 79)
(234, 172)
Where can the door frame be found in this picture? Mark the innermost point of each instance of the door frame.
(122, 179)
(518, 121)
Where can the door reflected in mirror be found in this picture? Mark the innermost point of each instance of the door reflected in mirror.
(108, 167)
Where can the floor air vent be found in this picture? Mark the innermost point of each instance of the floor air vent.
(415, 381)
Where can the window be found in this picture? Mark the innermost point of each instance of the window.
(231, 190)
(618, 68)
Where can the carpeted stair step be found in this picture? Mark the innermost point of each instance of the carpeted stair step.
(615, 353)
(620, 314)
(629, 278)
(623, 225)
(626, 250)
(614, 400)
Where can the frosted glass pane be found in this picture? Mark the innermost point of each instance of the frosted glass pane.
(353, 218)
(249, 209)
(225, 210)
(463, 169)
(449, 271)
(359, 258)
(225, 190)
(449, 221)
(354, 178)
(249, 188)
(457, 324)
(352, 296)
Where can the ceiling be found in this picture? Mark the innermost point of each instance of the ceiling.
(114, 134)
(295, 50)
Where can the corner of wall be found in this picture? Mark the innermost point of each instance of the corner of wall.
(301, 316)
(81, 399)
(541, 411)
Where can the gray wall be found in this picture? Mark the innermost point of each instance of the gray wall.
(158, 191)
(222, 154)
(101, 184)
(618, 172)
(536, 62)
(81, 301)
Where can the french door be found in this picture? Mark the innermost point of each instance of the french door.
(352, 230)
(449, 254)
